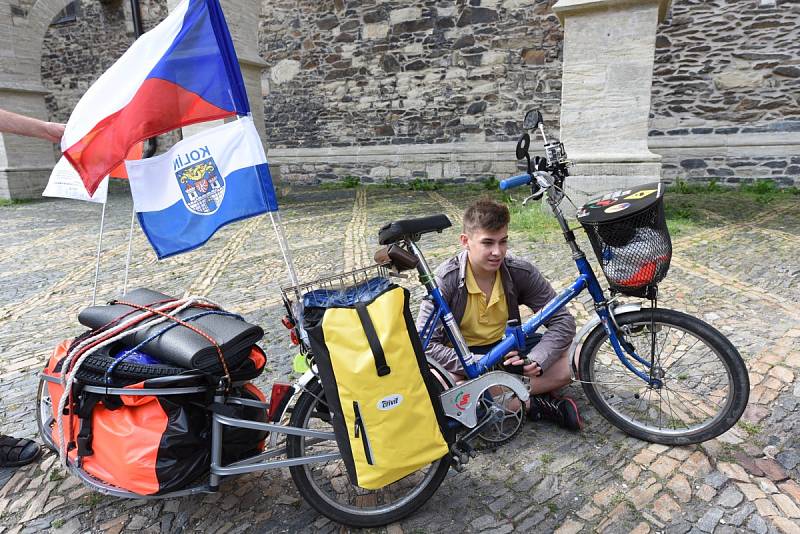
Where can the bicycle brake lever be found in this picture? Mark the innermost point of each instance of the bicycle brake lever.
(535, 196)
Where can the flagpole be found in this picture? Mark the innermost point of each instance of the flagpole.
(97, 259)
(128, 258)
(277, 224)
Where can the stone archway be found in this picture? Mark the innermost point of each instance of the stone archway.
(24, 163)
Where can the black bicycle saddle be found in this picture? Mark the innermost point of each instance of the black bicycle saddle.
(412, 228)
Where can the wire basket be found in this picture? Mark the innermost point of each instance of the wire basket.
(337, 288)
(634, 251)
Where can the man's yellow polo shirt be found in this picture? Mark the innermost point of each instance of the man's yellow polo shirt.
(484, 323)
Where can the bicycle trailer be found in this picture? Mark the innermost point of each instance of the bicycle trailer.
(145, 427)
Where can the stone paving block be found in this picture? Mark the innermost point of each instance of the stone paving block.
(705, 492)
(772, 469)
(786, 505)
(697, 465)
(751, 491)
(757, 524)
(587, 512)
(641, 528)
(664, 466)
(631, 472)
(642, 495)
(730, 497)
(786, 526)
(782, 373)
(766, 508)
(710, 519)
(644, 457)
(791, 488)
(733, 471)
(680, 487)
(666, 508)
(767, 485)
(570, 526)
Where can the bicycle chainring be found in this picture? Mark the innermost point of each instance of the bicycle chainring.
(515, 414)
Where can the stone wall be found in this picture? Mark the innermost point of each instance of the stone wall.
(725, 91)
(422, 86)
(435, 89)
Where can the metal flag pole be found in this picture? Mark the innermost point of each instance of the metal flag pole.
(277, 224)
(149, 150)
(128, 258)
(97, 259)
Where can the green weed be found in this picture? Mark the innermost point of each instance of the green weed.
(752, 429)
(350, 182)
(419, 184)
(4, 202)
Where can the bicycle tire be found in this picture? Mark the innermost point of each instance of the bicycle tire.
(44, 415)
(100, 363)
(353, 515)
(683, 404)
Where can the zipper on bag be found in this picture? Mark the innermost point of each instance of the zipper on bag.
(361, 430)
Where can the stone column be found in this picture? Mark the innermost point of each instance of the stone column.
(25, 163)
(609, 48)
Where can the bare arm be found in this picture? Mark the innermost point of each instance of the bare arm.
(28, 126)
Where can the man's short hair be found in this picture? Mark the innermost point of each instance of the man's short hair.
(485, 214)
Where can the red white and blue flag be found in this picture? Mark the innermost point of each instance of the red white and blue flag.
(204, 182)
(181, 72)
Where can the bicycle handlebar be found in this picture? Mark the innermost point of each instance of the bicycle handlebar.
(515, 181)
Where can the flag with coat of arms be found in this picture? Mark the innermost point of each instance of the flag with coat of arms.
(202, 183)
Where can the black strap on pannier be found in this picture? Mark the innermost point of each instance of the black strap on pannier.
(374, 343)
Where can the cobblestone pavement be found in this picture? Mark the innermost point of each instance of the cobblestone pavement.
(741, 274)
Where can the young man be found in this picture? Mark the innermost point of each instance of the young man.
(484, 289)
(15, 452)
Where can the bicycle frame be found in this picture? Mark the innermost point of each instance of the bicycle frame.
(514, 338)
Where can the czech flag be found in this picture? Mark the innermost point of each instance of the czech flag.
(208, 180)
(181, 72)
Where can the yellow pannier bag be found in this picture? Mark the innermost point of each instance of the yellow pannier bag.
(383, 400)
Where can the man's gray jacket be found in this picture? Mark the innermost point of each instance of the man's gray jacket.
(522, 284)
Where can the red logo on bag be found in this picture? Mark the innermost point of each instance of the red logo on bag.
(462, 401)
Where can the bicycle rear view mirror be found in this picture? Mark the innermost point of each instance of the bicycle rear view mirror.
(532, 119)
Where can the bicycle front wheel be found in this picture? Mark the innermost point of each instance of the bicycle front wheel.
(703, 388)
(326, 486)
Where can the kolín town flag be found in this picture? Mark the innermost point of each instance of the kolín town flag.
(181, 72)
(204, 182)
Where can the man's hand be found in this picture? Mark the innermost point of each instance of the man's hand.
(531, 370)
(53, 131)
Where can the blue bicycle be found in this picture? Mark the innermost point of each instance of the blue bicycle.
(657, 374)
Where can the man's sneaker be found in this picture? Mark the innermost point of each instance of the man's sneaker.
(17, 451)
(560, 410)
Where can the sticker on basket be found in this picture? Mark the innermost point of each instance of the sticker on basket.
(618, 207)
(641, 194)
(582, 212)
(602, 203)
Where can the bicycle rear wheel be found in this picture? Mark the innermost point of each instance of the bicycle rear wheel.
(44, 415)
(704, 389)
(326, 486)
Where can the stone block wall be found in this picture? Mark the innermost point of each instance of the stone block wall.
(435, 89)
(726, 91)
(405, 80)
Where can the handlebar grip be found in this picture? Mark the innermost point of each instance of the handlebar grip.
(515, 181)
